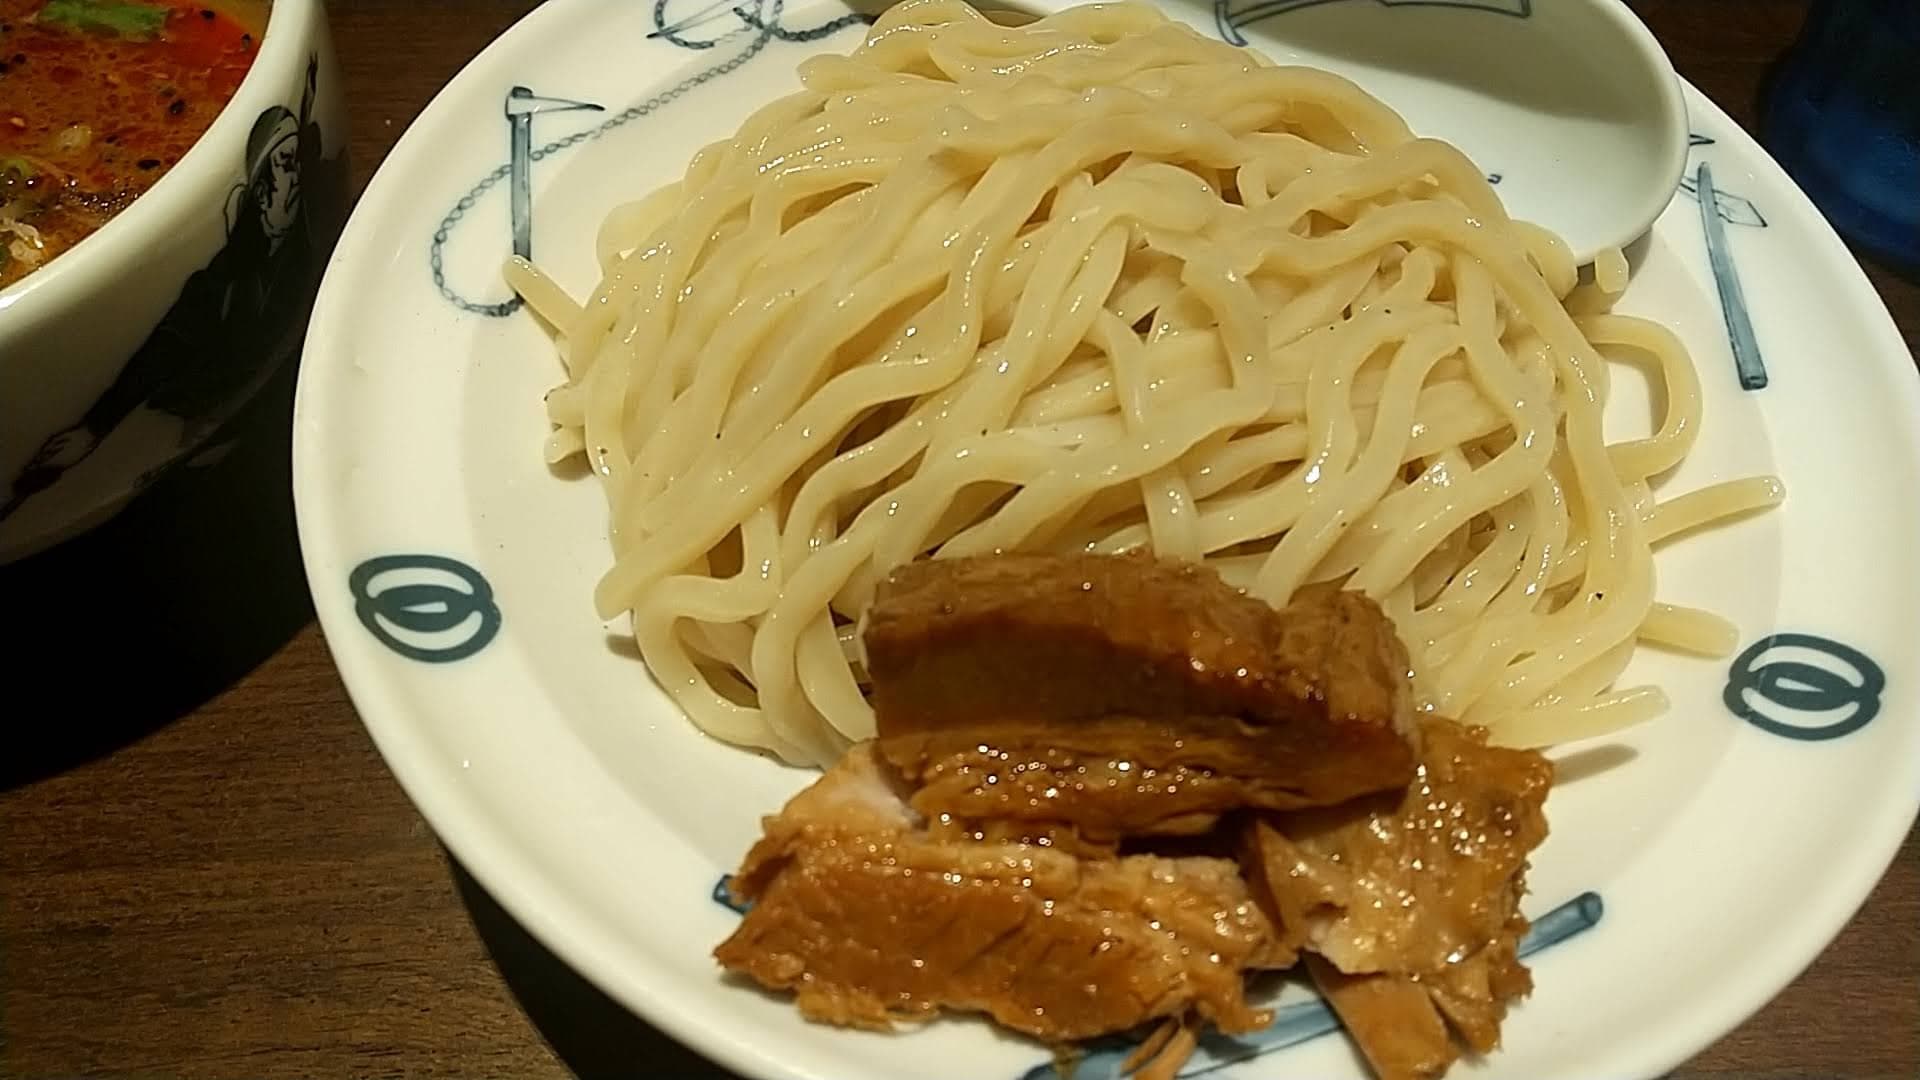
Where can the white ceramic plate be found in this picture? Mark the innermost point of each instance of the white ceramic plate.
(452, 571)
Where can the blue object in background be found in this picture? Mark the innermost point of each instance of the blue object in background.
(1844, 118)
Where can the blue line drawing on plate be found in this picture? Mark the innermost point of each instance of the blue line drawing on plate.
(723, 895)
(521, 106)
(1291, 1025)
(425, 607)
(1838, 695)
(749, 18)
(758, 18)
(1495, 178)
(1733, 209)
(1229, 20)
(1305, 1020)
(1694, 138)
(1733, 301)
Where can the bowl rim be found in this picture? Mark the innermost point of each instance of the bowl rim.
(207, 165)
(1675, 121)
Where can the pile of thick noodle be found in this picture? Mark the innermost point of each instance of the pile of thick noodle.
(1099, 283)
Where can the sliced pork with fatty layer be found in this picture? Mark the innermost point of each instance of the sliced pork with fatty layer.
(1129, 696)
(1411, 903)
(869, 918)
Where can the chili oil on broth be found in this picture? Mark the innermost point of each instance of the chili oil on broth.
(98, 100)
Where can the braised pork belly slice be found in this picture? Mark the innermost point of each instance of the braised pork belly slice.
(1411, 903)
(868, 918)
(1129, 696)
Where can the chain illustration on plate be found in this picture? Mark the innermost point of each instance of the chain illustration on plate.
(757, 20)
(429, 608)
(1835, 694)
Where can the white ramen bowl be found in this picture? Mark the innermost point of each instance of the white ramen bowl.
(130, 351)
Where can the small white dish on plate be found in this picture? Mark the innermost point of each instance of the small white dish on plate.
(453, 572)
(1571, 106)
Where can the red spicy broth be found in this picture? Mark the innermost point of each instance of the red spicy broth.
(98, 99)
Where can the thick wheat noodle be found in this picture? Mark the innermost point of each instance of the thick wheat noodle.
(1098, 282)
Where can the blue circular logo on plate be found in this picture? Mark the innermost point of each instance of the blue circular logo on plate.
(425, 607)
(1835, 693)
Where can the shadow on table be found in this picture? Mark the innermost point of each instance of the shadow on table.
(117, 632)
(592, 1034)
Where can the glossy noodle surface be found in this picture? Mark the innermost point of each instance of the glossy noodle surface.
(1097, 283)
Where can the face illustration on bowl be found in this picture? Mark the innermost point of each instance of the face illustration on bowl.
(263, 222)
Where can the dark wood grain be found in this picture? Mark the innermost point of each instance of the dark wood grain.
(206, 872)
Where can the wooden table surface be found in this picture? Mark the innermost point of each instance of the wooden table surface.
(206, 872)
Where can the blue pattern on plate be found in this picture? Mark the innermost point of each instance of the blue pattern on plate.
(723, 895)
(749, 18)
(1718, 209)
(1732, 209)
(521, 106)
(1229, 19)
(1294, 1024)
(1838, 695)
(415, 611)
(757, 20)
(1747, 362)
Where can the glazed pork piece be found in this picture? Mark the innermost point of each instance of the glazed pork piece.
(1129, 696)
(1051, 729)
(868, 919)
(1411, 902)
